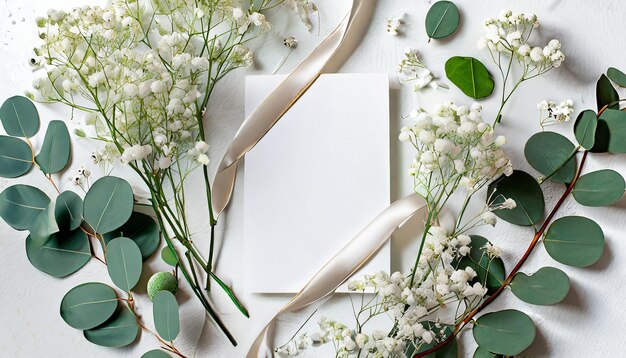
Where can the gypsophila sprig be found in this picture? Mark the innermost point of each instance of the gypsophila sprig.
(413, 69)
(551, 113)
(508, 39)
(144, 71)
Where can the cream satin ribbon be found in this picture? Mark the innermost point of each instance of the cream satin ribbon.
(345, 263)
(280, 100)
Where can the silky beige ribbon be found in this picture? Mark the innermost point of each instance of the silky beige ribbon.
(345, 263)
(280, 100)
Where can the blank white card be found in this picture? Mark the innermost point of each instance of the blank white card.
(318, 177)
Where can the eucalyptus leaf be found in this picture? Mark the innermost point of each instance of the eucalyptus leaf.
(68, 211)
(552, 155)
(55, 150)
(169, 256)
(506, 332)
(606, 93)
(88, 305)
(611, 131)
(617, 76)
(20, 205)
(119, 331)
(140, 228)
(600, 188)
(575, 241)
(470, 75)
(585, 128)
(490, 272)
(165, 312)
(124, 263)
(19, 117)
(481, 352)
(16, 157)
(442, 20)
(156, 353)
(61, 255)
(547, 286)
(526, 192)
(44, 226)
(108, 204)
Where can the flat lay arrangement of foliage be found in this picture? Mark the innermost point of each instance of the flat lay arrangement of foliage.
(143, 73)
(459, 157)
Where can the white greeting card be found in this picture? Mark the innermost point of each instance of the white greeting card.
(315, 180)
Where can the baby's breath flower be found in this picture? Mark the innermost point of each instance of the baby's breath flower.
(552, 113)
(413, 70)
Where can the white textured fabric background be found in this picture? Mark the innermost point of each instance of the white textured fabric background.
(586, 324)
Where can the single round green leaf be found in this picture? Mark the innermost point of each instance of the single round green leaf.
(19, 117)
(506, 332)
(617, 76)
(55, 150)
(44, 226)
(481, 352)
(490, 272)
(606, 93)
(165, 312)
(119, 331)
(108, 204)
(470, 75)
(585, 128)
(600, 188)
(20, 205)
(575, 241)
(68, 211)
(547, 286)
(16, 158)
(169, 256)
(526, 192)
(88, 305)
(61, 255)
(611, 132)
(124, 262)
(442, 19)
(140, 228)
(552, 155)
(156, 353)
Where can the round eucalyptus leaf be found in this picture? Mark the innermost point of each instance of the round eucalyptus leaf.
(16, 157)
(611, 132)
(20, 205)
(165, 312)
(549, 151)
(490, 272)
(600, 188)
(575, 241)
(547, 286)
(617, 76)
(585, 128)
(606, 93)
(470, 75)
(169, 256)
(61, 255)
(140, 228)
(88, 305)
(68, 211)
(55, 150)
(108, 204)
(481, 352)
(19, 117)
(44, 226)
(526, 192)
(442, 19)
(124, 262)
(506, 332)
(119, 331)
(156, 353)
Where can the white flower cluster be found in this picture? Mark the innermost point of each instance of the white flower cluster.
(455, 145)
(304, 9)
(553, 113)
(413, 69)
(509, 33)
(393, 25)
